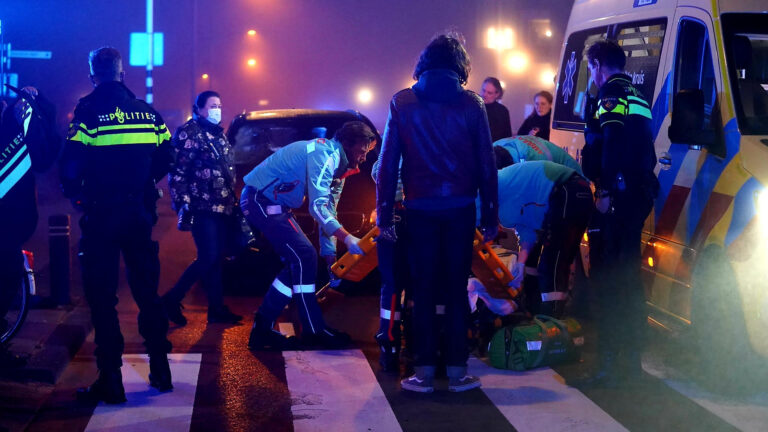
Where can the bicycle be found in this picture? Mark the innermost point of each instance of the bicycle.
(19, 302)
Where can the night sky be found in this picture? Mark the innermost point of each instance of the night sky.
(309, 54)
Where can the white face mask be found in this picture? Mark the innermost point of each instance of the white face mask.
(214, 115)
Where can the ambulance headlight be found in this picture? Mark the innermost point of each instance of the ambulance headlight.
(761, 204)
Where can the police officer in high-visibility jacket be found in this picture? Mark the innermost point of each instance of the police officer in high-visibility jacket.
(117, 147)
(619, 158)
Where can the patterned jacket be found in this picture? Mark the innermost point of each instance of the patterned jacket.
(203, 174)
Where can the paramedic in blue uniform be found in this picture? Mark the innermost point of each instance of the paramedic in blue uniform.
(440, 130)
(117, 147)
(549, 205)
(316, 170)
(526, 148)
(28, 143)
(620, 158)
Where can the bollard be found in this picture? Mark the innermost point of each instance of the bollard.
(58, 243)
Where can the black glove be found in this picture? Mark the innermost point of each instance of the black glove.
(186, 218)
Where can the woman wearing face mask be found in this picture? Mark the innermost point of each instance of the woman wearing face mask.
(202, 184)
(538, 122)
(498, 114)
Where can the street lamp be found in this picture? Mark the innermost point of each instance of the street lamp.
(365, 96)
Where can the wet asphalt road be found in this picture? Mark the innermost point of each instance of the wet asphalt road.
(240, 390)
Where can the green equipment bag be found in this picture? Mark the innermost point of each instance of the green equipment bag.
(545, 342)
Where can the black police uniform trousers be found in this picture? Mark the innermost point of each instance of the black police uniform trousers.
(570, 207)
(393, 266)
(440, 247)
(616, 274)
(109, 229)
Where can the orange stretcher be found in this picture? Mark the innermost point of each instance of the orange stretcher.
(355, 267)
(490, 270)
(486, 265)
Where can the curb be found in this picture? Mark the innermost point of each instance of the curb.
(53, 354)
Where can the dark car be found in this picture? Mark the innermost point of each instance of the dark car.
(258, 134)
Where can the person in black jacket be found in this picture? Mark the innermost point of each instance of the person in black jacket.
(441, 132)
(621, 157)
(28, 143)
(117, 148)
(537, 123)
(202, 185)
(498, 114)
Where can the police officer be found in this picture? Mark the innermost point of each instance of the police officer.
(619, 157)
(315, 169)
(28, 143)
(393, 267)
(117, 147)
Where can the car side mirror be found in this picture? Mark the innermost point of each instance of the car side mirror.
(687, 125)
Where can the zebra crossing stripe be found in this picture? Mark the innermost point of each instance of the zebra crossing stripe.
(336, 391)
(538, 400)
(148, 409)
(747, 413)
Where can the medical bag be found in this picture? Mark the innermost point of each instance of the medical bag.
(545, 342)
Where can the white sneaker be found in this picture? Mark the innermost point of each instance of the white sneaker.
(467, 382)
(416, 384)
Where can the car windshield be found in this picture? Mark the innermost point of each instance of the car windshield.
(746, 44)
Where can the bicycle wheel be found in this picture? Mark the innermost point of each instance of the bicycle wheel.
(17, 301)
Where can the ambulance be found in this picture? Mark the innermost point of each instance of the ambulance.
(703, 66)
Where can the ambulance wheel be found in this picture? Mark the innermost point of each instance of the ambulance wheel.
(719, 333)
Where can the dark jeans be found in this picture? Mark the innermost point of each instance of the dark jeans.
(393, 267)
(107, 232)
(297, 253)
(211, 232)
(570, 206)
(440, 244)
(616, 274)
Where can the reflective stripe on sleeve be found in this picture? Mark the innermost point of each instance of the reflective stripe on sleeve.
(13, 176)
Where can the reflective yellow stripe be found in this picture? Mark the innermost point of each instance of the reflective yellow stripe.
(163, 137)
(639, 110)
(84, 128)
(618, 109)
(639, 100)
(125, 138)
(147, 126)
(81, 137)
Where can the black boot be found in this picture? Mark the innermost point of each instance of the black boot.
(223, 315)
(605, 375)
(173, 311)
(264, 338)
(108, 388)
(327, 338)
(160, 372)
(389, 355)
